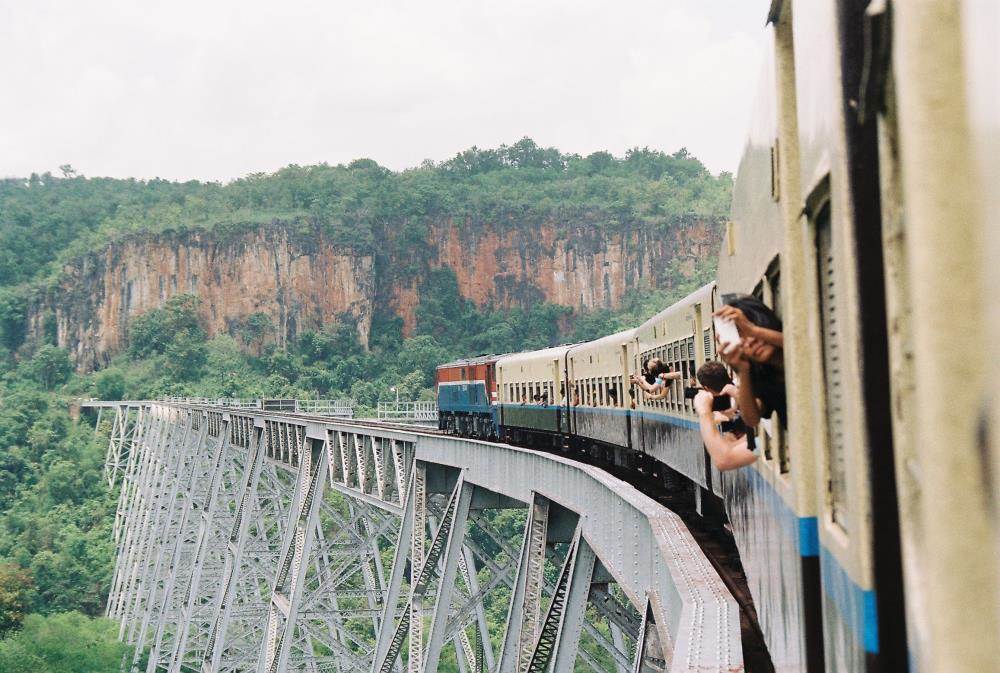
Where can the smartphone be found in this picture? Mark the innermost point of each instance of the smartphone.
(727, 332)
(722, 402)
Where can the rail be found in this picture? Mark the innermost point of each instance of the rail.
(417, 412)
(333, 408)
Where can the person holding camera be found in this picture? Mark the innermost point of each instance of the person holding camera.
(729, 445)
(756, 357)
(655, 379)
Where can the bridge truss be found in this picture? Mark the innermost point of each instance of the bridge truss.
(259, 541)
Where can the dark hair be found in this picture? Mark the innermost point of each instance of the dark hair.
(768, 380)
(713, 376)
(755, 310)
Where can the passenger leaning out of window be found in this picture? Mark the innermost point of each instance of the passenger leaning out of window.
(722, 431)
(655, 379)
(757, 358)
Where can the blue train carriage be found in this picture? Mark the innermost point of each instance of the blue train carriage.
(803, 238)
(467, 397)
(533, 397)
(599, 401)
(772, 505)
(667, 430)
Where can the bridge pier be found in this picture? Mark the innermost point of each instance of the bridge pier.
(254, 540)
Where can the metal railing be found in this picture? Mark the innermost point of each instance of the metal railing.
(417, 412)
(332, 408)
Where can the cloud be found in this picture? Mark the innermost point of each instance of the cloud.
(216, 90)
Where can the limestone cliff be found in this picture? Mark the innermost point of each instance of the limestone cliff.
(302, 280)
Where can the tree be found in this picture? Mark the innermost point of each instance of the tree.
(255, 330)
(13, 317)
(16, 589)
(110, 385)
(185, 356)
(63, 643)
(50, 366)
(154, 331)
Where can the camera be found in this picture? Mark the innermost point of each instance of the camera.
(721, 403)
(690, 392)
(736, 426)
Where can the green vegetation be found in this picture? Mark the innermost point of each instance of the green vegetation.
(45, 220)
(56, 547)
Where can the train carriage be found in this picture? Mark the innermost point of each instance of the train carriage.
(856, 217)
(667, 430)
(598, 376)
(533, 394)
(467, 397)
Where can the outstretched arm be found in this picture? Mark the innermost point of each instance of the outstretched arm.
(727, 453)
(745, 399)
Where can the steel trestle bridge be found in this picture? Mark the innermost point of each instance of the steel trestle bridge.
(251, 540)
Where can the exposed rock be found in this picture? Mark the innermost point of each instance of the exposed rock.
(303, 282)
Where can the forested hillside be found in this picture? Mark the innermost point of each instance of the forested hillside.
(55, 511)
(511, 228)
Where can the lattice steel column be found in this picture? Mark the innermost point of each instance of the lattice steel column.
(234, 552)
(417, 561)
(525, 606)
(559, 639)
(390, 635)
(138, 510)
(452, 525)
(192, 604)
(286, 592)
(166, 528)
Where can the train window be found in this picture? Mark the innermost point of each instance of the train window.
(708, 342)
(832, 367)
(774, 285)
(779, 439)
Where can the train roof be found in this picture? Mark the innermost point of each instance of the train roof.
(612, 339)
(465, 362)
(554, 351)
(679, 305)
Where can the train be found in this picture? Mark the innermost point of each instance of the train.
(866, 211)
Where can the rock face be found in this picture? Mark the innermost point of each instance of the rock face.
(302, 280)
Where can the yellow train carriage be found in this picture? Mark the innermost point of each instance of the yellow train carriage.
(938, 117)
(533, 396)
(667, 430)
(598, 374)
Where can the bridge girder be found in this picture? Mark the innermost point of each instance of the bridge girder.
(251, 540)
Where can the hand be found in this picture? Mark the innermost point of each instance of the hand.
(735, 358)
(703, 403)
(743, 324)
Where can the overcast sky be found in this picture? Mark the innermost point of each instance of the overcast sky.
(214, 90)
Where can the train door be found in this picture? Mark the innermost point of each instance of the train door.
(554, 394)
(620, 388)
(573, 394)
(862, 180)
